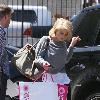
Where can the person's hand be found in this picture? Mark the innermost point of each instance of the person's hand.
(46, 66)
(27, 46)
(74, 41)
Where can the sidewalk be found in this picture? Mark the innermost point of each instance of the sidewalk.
(12, 88)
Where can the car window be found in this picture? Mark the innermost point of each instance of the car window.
(28, 16)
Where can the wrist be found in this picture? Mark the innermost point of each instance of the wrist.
(71, 45)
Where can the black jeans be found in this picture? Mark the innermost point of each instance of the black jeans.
(3, 85)
(69, 92)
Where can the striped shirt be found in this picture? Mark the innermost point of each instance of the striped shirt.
(4, 62)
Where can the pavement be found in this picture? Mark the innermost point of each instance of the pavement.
(12, 88)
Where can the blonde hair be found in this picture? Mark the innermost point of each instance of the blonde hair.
(62, 23)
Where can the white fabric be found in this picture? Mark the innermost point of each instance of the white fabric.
(60, 78)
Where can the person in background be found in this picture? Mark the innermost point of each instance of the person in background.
(58, 53)
(5, 16)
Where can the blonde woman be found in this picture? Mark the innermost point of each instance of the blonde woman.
(54, 56)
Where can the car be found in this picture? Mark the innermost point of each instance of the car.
(84, 67)
(27, 24)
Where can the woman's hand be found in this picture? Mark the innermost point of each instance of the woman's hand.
(46, 66)
(27, 46)
(74, 41)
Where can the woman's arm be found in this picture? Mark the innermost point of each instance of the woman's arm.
(69, 54)
(40, 52)
(71, 46)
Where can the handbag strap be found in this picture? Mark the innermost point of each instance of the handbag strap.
(39, 77)
(34, 45)
(45, 77)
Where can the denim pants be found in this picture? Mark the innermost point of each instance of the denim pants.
(3, 85)
(69, 92)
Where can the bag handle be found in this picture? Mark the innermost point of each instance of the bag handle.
(46, 75)
(31, 46)
(39, 76)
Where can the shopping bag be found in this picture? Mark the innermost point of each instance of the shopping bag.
(42, 91)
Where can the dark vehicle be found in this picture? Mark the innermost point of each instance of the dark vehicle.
(85, 64)
(84, 67)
